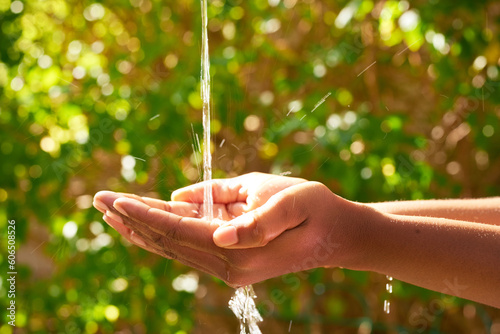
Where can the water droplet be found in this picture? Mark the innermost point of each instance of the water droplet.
(388, 288)
(387, 306)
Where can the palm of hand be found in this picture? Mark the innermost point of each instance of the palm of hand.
(236, 196)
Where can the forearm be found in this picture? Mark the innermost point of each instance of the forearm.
(454, 257)
(483, 210)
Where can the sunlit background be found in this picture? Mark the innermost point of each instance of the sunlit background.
(105, 95)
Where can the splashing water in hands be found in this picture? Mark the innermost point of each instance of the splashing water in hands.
(242, 303)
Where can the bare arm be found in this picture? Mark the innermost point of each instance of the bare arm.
(273, 225)
(483, 210)
(450, 256)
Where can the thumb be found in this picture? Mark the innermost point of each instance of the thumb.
(258, 227)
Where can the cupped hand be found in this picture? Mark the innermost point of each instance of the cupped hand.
(266, 226)
(236, 196)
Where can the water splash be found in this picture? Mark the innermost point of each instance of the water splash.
(243, 306)
(320, 102)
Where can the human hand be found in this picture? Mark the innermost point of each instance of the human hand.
(270, 225)
(235, 197)
(232, 198)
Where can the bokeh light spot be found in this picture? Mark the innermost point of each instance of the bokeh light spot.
(171, 317)
(16, 7)
(187, 282)
(17, 84)
(112, 313)
(70, 229)
(252, 123)
(388, 169)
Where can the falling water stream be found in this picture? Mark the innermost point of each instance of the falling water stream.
(208, 201)
(242, 303)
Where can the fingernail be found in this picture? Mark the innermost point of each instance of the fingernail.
(100, 206)
(110, 221)
(114, 216)
(120, 210)
(226, 236)
(137, 240)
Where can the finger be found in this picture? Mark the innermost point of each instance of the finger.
(236, 209)
(100, 202)
(180, 208)
(142, 235)
(137, 237)
(195, 259)
(212, 264)
(117, 225)
(283, 211)
(127, 234)
(186, 231)
(116, 221)
(103, 201)
(223, 191)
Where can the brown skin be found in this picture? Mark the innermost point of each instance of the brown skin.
(272, 225)
(482, 210)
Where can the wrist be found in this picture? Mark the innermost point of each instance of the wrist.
(357, 224)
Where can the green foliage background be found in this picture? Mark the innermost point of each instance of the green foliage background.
(413, 113)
